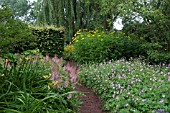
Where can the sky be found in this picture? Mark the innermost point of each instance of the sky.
(118, 24)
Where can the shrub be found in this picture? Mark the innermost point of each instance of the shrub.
(50, 40)
(95, 46)
(155, 57)
(15, 35)
(155, 54)
(68, 52)
(129, 86)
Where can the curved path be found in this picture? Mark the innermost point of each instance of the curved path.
(91, 103)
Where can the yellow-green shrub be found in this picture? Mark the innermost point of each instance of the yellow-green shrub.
(68, 51)
(95, 46)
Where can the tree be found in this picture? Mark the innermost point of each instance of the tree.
(154, 26)
(14, 34)
(22, 9)
(74, 14)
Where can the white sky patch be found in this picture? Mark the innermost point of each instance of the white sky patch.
(118, 24)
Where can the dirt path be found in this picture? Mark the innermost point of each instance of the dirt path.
(91, 103)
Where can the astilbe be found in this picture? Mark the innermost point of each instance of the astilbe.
(66, 75)
(73, 72)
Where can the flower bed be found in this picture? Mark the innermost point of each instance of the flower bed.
(35, 84)
(129, 86)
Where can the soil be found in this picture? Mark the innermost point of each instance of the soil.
(91, 102)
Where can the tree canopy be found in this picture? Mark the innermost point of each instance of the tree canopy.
(148, 18)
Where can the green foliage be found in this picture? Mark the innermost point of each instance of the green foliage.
(156, 57)
(94, 46)
(27, 87)
(148, 19)
(155, 53)
(129, 86)
(50, 40)
(15, 36)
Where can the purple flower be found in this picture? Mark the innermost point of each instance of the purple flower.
(118, 85)
(126, 105)
(168, 78)
(161, 101)
(120, 91)
(113, 96)
(128, 93)
(143, 100)
(163, 95)
(117, 98)
(137, 98)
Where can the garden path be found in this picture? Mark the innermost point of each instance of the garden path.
(91, 102)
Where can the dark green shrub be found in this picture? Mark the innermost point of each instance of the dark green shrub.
(50, 40)
(155, 54)
(155, 57)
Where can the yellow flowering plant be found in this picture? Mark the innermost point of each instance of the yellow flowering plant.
(68, 51)
(96, 46)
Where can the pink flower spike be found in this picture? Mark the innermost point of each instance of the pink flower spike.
(54, 59)
(168, 78)
(47, 58)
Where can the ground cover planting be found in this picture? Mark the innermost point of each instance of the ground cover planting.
(37, 84)
(129, 86)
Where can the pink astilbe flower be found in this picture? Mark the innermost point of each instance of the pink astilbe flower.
(54, 75)
(47, 58)
(58, 61)
(54, 59)
(72, 71)
(69, 96)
